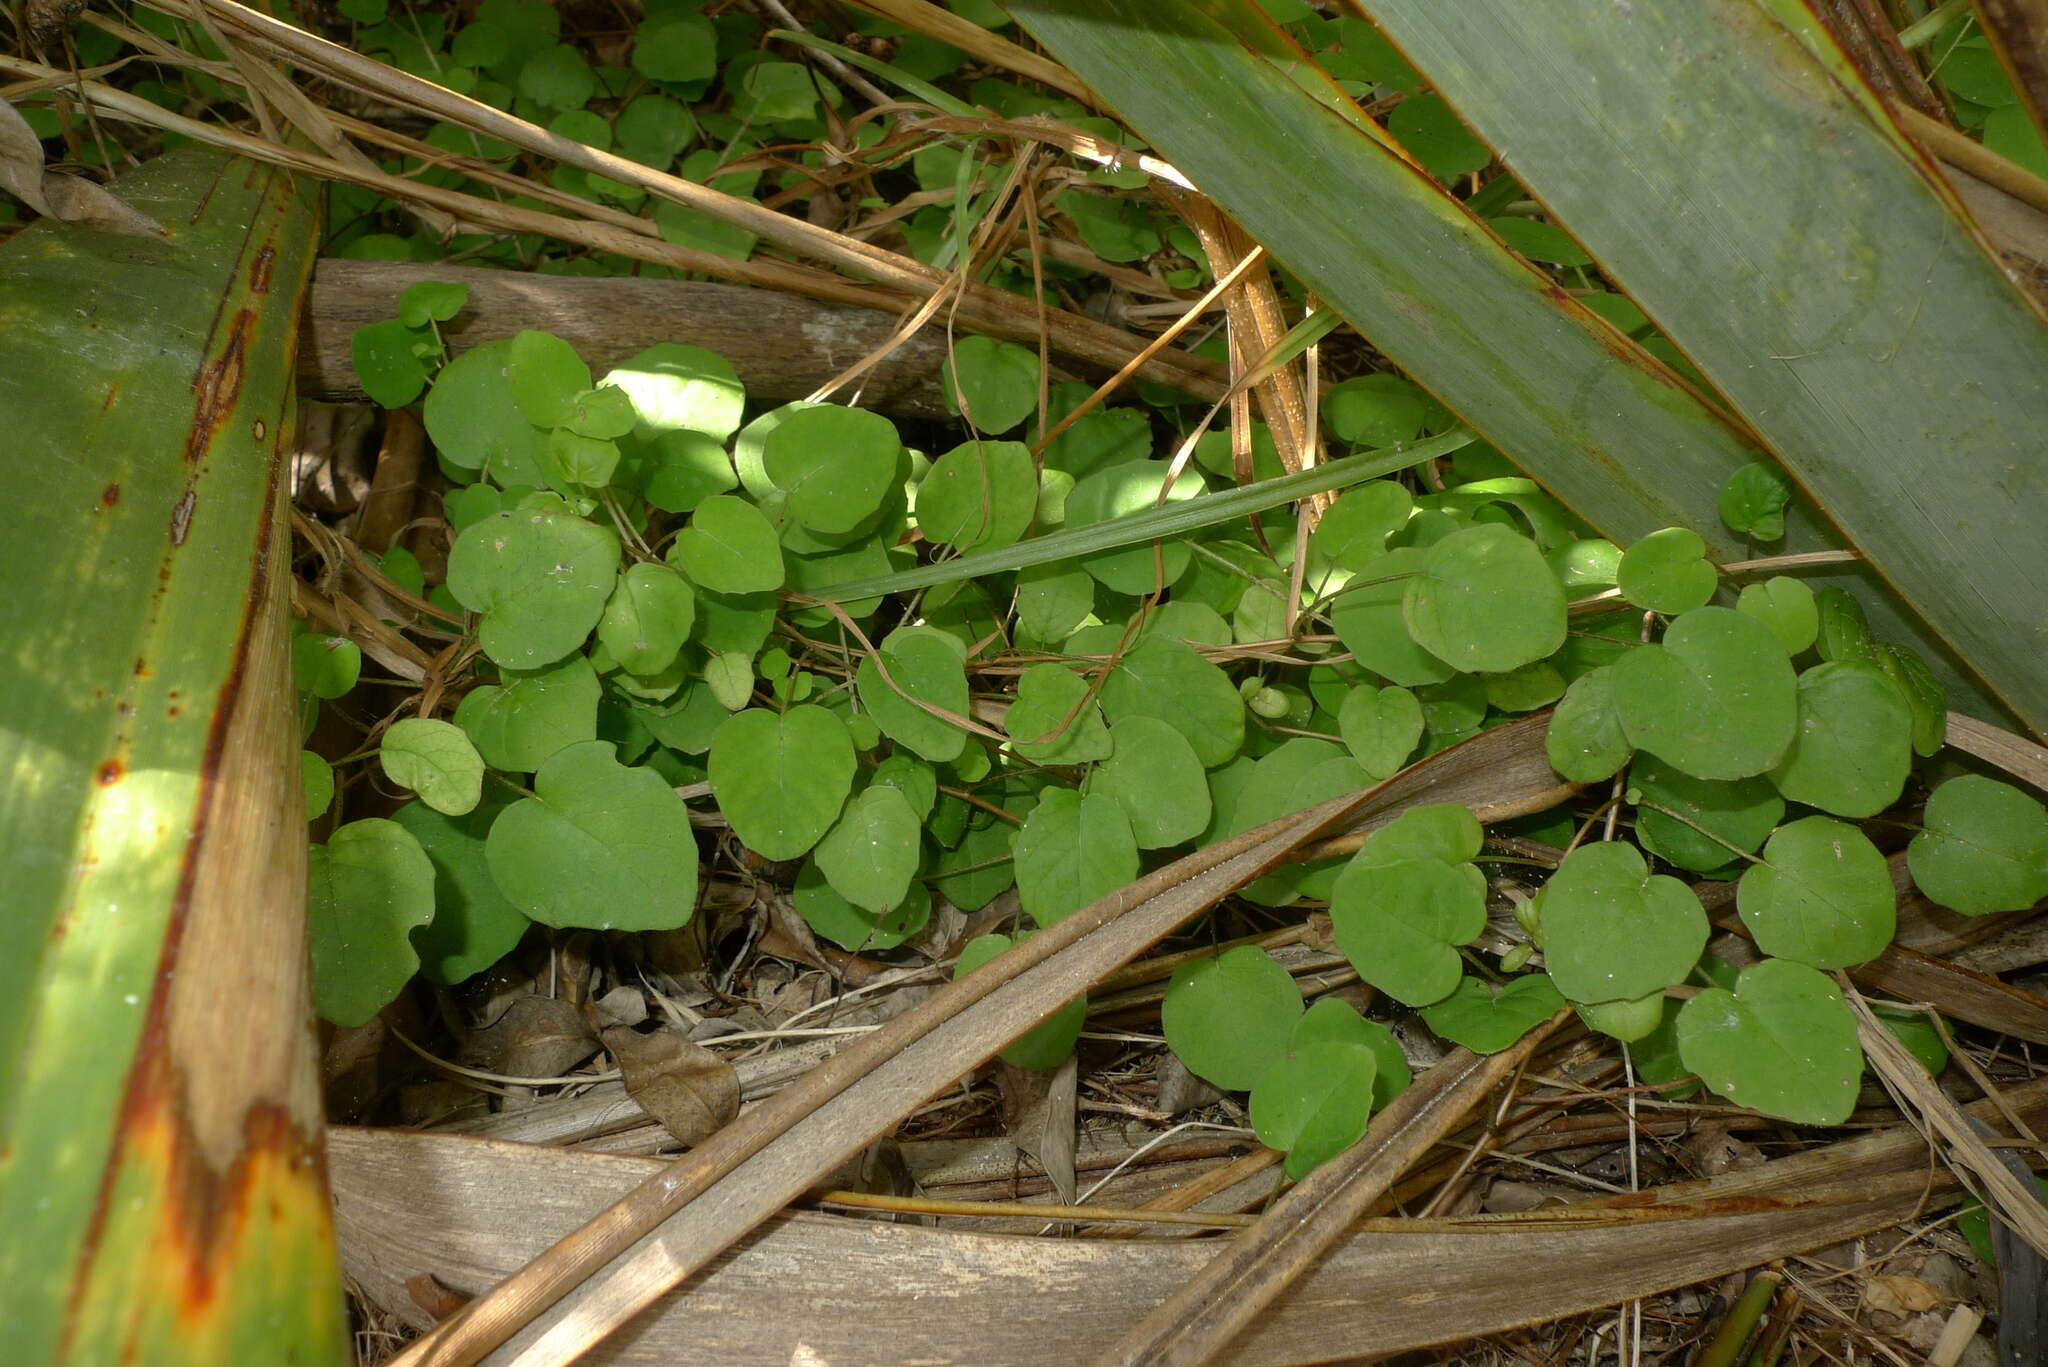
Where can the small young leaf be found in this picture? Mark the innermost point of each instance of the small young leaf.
(1668, 572)
(1053, 721)
(1783, 1042)
(1924, 696)
(1753, 501)
(1486, 1019)
(1381, 727)
(1628, 1020)
(325, 666)
(540, 579)
(1854, 745)
(979, 495)
(871, 852)
(648, 618)
(729, 547)
(1072, 850)
(999, 381)
(1844, 635)
(1612, 929)
(474, 926)
(925, 664)
(601, 846)
(1314, 1103)
(1717, 698)
(1585, 741)
(436, 760)
(1485, 601)
(1050, 1041)
(1786, 606)
(1823, 895)
(1984, 849)
(1155, 776)
(316, 779)
(366, 889)
(781, 780)
(1230, 1018)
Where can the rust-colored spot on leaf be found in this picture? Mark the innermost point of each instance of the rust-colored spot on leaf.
(141, 670)
(113, 393)
(259, 270)
(110, 772)
(219, 385)
(110, 495)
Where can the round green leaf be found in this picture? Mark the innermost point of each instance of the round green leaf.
(1314, 1103)
(1269, 792)
(685, 468)
(679, 48)
(1783, 1042)
(366, 889)
(979, 495)
(1627, 1020)
(388, 362)
(1163, 678)
(316, 779)
(1585, 741)
(474, 925)
(1053, 720)
(1668, 572)
(1355, 529)
(1984, 847)
(1050, 1041)
(729, 547)
(676, 388)
(1717, 698)
(1072, 850)
(1486, 1019)
(1374, 411)
(1155, 776)
(925, 665)
(436, 760)
(1230, 1018)
(1741, 813)
(997, 380)
(856, 928)
(1370, 622)
(1381, 726)
(835, 464)
(781, 780)
(1485, 601)
(1753, 501)
(540, 579)
(558, 78)
(648, 618)
(871, 852)
(1444, 831)
(1612, 929)
(517, 726)
(1331, 1021)
(325, 666)
(1400, 924)
(1118, 491)
(1854, 745)
(431, 301)
(547, 377)
(652, 130)
(1823, 895)
(1785, 605)
(601, 846)
(1051, 601)
(1525, 689)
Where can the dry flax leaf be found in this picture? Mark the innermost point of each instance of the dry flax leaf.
(2015, 754)
(776, 1151)
(693, 1092)
(68, 199)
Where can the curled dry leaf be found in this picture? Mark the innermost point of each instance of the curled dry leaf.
(536, 1037)
(693, 1092)
(55, 195)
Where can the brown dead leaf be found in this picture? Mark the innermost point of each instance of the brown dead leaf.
(67, 199)
(693, 1092)
(1900, 1295)
(536, 1037)
(429, 1295)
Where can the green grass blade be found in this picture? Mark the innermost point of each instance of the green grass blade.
(159, 1096)
(1155, 524)
(1809, 267)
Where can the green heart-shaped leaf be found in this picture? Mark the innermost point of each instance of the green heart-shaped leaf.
(1053, 720)
(836, 464)
(1711, 815)
(1585, 740)
(1612, 929)
(1400, 924)
(517, 726)
(729, 547)
(547, 377)
(1783, 1042)
(366, 889)
(979, 495)
(1823, 895)
(1786, 606)
(600, 846)
(436, 760)
(1369, 620)
(1230, 1018)
(856, 928)
(540, 579)
(1854, 745)
(1381, 727)
(1331, 1021)
(781, 780)
(472, 416)
(1717, 698)
(1984, 849)
(871, 853)
(1668, 572)
(1485, 601)
(680, 388)
(1049, 1042)
(648, 618)
(474, 925)
(1162, 678)
(1486, 1019)
(1314, 1103)
(925, 664)
(1072, 850)
(1153, 774)
(998, 380)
